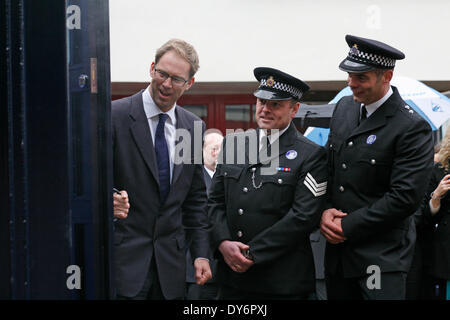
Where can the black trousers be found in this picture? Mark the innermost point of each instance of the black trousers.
(151, 290)
(230, 293)
(208, 291)
(392, 287)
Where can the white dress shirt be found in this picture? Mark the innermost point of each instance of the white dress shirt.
(272, 137)
(371, 108)
(210, 172)
(152, 112)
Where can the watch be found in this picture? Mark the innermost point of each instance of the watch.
(431, 196)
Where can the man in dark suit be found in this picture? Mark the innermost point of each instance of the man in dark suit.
(266, 197)
(211, 147)
(380, 153)
(166, 196)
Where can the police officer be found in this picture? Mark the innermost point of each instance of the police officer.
(380, 153)
(266, 197)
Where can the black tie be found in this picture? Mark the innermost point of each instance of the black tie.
(264, 144)
(363, 114)
(162, 157)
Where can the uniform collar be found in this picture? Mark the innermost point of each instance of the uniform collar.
(274, 135)
(371, 108)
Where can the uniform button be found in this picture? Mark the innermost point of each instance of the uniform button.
(350, 143)
(410, 111)
(344, 166)
(331, 145)
(253, 169)
(225, 173)
(373, 162)
(240, 234)
(241, 212)
(280, 181)
(341, 189)
(245, 189)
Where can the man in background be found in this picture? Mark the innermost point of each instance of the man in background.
(211, 148)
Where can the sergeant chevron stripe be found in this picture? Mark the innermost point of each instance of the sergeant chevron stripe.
(317, 189)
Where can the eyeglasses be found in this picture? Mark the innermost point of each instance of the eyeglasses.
(176, 81)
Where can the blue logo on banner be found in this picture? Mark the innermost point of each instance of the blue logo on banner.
(437, 108)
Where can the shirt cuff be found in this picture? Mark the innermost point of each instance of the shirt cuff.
(433, 209)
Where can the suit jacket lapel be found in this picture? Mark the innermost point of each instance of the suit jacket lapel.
(207, 179)
(182, 123)
(141, 134)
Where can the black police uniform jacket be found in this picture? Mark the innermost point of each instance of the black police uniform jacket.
(379, 171)
(275, 219)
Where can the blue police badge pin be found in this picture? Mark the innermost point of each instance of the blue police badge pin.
(291, 154)
(371, 139)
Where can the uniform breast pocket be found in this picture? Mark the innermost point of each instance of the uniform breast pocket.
(375, 172)
(231, 175)
(278, 190)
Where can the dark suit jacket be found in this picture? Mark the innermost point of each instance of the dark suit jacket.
(379, 172)
(438, 246)
(207, 179)
(275, 220)
(152, 229)
(190, 271)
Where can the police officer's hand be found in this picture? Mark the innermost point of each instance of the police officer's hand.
(121, 205)
(232, 254)
(330, 226)
(202, 271)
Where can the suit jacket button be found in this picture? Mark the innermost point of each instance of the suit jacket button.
(240, 212)
(240, 234)
(341, 189)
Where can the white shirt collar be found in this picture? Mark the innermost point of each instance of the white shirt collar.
(371, 108)
(210, 172)
(273, 136)
(152, 110)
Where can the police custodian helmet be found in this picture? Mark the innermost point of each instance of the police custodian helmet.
(366, 54)
(278, 85)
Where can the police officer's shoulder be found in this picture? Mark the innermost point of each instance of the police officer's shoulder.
(409, 114)
(191, 117)
(343, 103)
(307, 146)
(121, 105)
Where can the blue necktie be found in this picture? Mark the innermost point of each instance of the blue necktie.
(162, 158)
